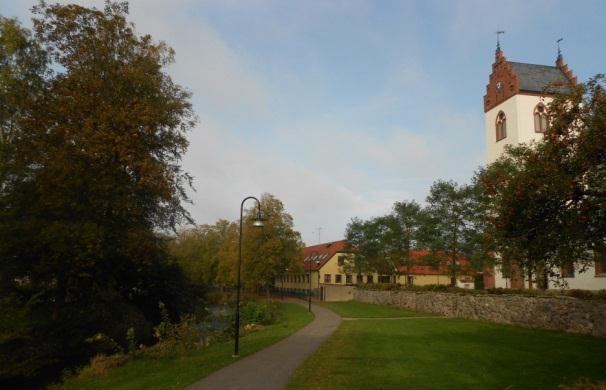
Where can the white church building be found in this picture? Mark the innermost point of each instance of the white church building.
(515, 112)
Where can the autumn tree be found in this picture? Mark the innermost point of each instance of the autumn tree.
(268, 251)
(203, 251)
(92, 133)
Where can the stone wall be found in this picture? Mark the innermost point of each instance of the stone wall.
(337, 293)
(554, 313)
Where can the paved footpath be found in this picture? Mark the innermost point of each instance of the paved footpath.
(272, 367)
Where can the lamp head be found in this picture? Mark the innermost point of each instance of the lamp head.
(258, 222)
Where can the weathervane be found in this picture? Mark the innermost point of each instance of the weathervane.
(498, 42)
(559, 51)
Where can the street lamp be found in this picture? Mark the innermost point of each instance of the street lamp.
(258, 222)
(283, 275)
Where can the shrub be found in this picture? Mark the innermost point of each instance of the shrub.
(586, 294)
(174, 339)
(257, 313)
(102, 364)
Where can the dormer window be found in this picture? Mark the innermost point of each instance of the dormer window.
(540, 118)
(501, 126)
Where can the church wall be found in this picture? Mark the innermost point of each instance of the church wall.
(519, 111)
(586, 280)
(493, 148)
(525, 107)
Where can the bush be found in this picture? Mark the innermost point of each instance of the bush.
(580, 294)
(174, 339)
(102, 364)
(586, 294)
(257, 313)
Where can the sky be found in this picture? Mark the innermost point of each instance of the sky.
(340, 108)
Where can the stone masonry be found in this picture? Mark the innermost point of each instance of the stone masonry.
(542, 312)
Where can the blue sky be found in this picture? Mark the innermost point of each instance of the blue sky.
(340, 108)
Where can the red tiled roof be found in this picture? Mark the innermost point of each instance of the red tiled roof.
(318, 255)
(422, 269)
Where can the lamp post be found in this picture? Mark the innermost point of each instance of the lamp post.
(283, 275)
(256, 223)
(309, 295)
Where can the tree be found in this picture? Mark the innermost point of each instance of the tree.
(92, 136)
(268, 251)
(548, 199)
(409, 216)
(201, 250)
(384, 244)
(451, 227)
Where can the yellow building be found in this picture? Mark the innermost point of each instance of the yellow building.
(323, 269)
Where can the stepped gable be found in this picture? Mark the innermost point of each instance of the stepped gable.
(509, 78)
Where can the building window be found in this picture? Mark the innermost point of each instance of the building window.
(369, 279)
(338, 278)
(341, 260)
(327, 278)
(540, 118)
(384, 279)
(359, 278)
(348, 279)
(501, 126)
(567, 271)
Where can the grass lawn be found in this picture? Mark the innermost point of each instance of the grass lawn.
(355, 309)
(449, 353)
(176, 373)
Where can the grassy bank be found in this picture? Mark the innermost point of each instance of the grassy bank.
(355, 309)
(177, 372)
(447, 353)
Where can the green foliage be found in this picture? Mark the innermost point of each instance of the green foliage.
(268, 251)
(204, 251)
(253, 312)
(209, 253)
(454, 226)
(547, 201)
(146, 372)
(574, 293)
(92, 131)
(131, 339)
(384, 244)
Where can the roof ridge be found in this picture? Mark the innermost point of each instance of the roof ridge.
(528, 63)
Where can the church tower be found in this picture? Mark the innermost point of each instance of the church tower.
(516, 98)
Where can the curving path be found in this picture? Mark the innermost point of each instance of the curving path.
(271, 368)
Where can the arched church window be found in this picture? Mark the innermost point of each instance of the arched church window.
(501, 126)
(540, 118)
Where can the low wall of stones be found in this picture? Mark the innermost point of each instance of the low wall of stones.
(555, 313)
